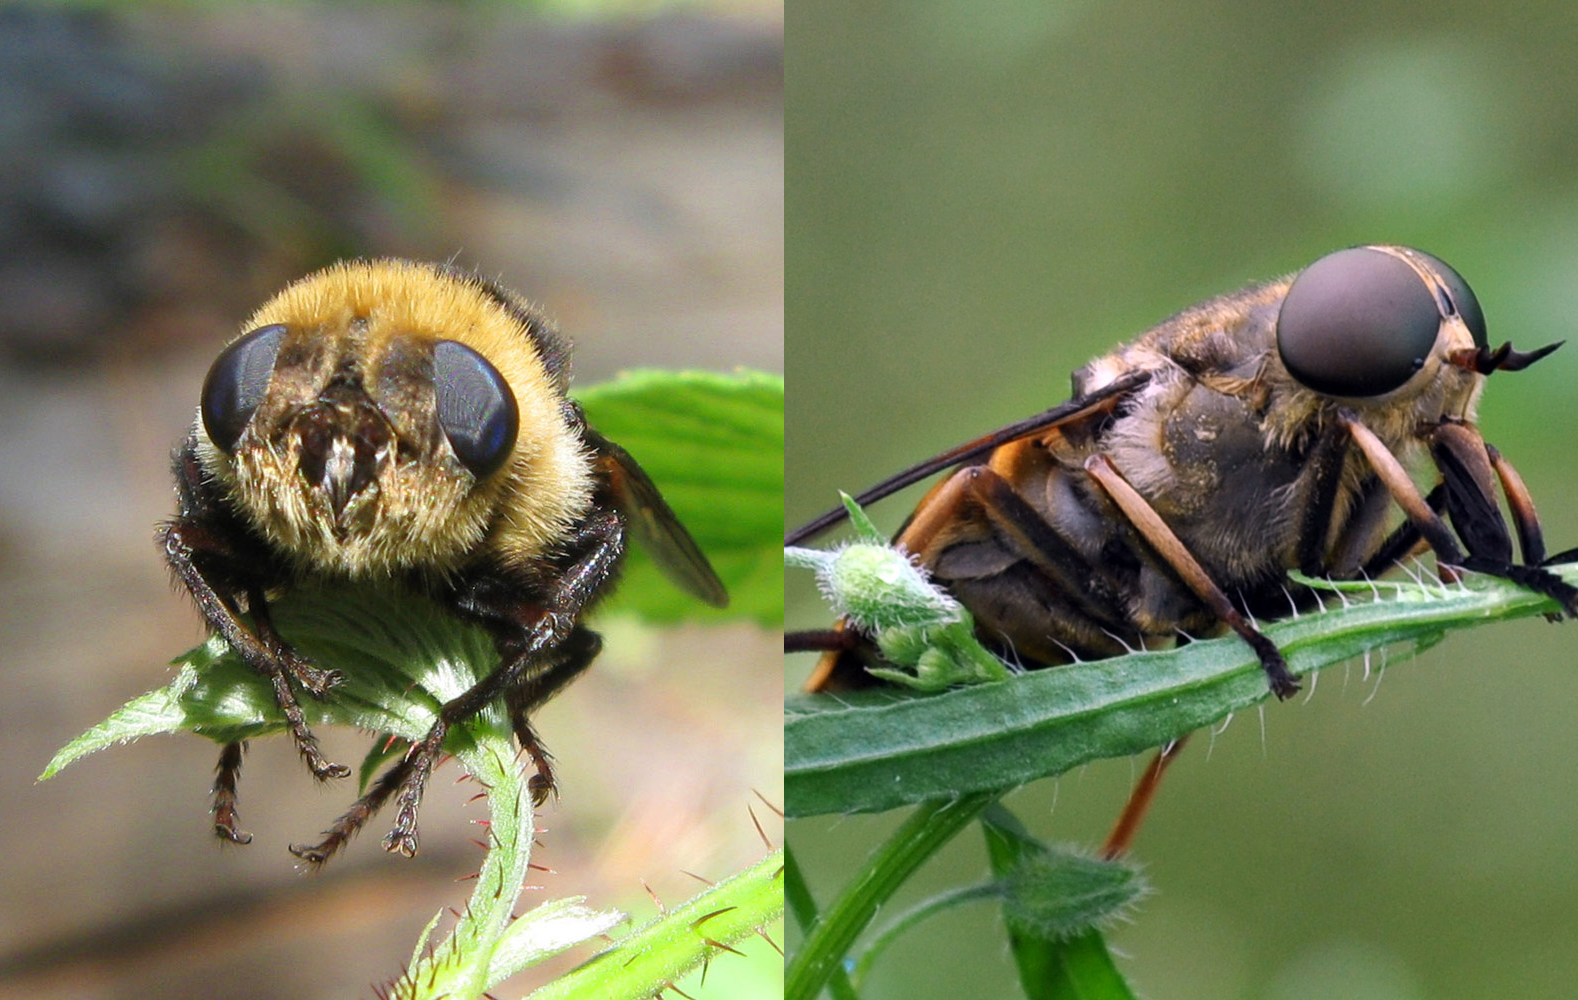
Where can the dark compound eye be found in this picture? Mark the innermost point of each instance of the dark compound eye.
(1357, 322)
(476, 408)
(1467, 305)
(236, 384)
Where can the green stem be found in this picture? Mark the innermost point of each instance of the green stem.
(928, 828)
(915, 915)
(652, 958)
(461, 966)
(803, 905)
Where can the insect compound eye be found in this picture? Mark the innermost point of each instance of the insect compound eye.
(476, 408)
(1357, 322)
(236, 383)
(1463, 298)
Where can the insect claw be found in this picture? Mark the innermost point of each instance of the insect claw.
(403, 842)
(540, 786)
(1541, 581)
(1284, 685)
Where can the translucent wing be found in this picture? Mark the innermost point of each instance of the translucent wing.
(1079, 408)
(653, 523)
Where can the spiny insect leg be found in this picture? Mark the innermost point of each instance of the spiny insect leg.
(578, 652)
(1531, 539)
(354, 818)
(1470, 472)
(226, 774)
(1419, 513)
(1326, 463)
(1404, 539)
(184, 540)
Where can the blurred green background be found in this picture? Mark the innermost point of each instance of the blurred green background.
(980, 198)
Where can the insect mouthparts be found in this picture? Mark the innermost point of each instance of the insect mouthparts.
(345, 441)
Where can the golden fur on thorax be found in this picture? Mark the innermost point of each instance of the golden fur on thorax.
(425, 510)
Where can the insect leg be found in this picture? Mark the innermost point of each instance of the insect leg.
(1465, 467)
(1172, 551)
(1403, 540)
(354, 818)
(1024, 531)
(1471, 492)
(577, 653)
(1144, 791)
(813, 640)
(1326, 461)
(601, 542)
(186, 543)
(1531, 540)
(1470, 477)
(979, 499)
(1424, 520)
(224, 808)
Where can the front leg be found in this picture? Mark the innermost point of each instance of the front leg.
(601, 542)
(194, 551)
(1469, 472)
(226, 774)
(219, 562)
(1470, 469)
(538, 641)
(578, 652)
(535, 689)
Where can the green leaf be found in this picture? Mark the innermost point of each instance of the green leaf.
(147, 715)
(1054, 904)
(401, 656)
(654, 956)
(547, 930)
(714, 445)
(876, 750)
(1081, 968)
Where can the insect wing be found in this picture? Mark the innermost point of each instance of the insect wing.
(1099, 401)
(654, 525)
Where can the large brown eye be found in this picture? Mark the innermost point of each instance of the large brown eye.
(236, 383)
(1463, 299)
(1357, 322)
(476, 408)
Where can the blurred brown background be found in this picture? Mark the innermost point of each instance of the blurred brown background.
(983, 197)
(161, 173)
